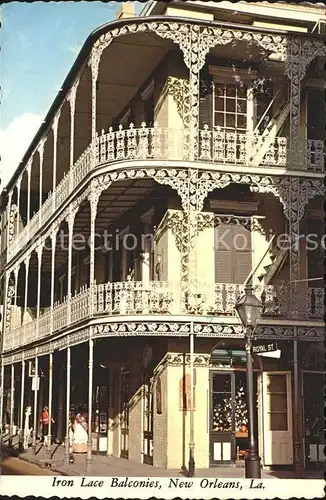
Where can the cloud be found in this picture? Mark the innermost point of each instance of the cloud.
(14, 141)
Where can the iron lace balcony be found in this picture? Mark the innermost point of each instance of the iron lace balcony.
(216, 146)
(159, 298)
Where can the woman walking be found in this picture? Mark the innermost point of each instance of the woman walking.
(80, 433)
(45, 424)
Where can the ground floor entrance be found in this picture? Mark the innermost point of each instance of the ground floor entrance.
(228, 434)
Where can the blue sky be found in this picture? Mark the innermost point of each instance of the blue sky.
(39, 43)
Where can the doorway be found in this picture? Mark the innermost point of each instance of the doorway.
(275, 417)
(228, 416)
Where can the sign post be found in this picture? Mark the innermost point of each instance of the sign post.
(35, 383)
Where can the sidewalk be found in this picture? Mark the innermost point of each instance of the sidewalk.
(105, 466)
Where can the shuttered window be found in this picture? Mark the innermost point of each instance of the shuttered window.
(233, 253)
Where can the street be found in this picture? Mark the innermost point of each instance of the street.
(11, 466)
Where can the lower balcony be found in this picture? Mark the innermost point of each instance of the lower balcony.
(137, 298)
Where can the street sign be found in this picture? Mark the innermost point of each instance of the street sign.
(264, 348)
(31, 369)
(271, 354)
(35, 383)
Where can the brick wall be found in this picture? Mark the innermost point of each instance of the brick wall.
(136, 426)
(178, 428)
(160, 424)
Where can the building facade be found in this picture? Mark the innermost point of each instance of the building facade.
(183, 155)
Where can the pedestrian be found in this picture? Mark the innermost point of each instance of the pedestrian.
(80, 432)
(71, 437)
(45, 417)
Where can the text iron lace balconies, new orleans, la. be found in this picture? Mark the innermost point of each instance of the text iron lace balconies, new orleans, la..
(134, 298)
(156, 143)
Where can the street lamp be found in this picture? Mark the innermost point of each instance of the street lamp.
(248, 308)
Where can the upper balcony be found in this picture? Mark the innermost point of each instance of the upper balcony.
(135, 300)
(247, 114)
(139, 146)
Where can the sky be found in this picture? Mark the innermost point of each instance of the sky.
(39, 43)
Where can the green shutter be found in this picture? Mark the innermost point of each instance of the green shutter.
(223, 253)
(242, 262)
(233, 253)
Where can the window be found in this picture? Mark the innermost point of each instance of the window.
(230, 106)
(277, 394)
(233, 253)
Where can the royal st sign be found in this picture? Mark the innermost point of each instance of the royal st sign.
(264, 348)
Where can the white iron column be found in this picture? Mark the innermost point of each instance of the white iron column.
(53, 243)
(12, 401)
(21, 416)
(41, 155)
(16, 272)
(55, 140)
(18, 204)
(72, 101)
(34, 435)
(93, 200)
(90, 407)
(1, 398)
(67, 437)
(147, 245)
(70, 220)
(124, 259)
(8, 217)
(26, 263)
(28, 168)
(39, 251)
(49, 437)
(94, 61)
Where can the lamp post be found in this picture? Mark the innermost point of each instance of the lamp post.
(248, 308)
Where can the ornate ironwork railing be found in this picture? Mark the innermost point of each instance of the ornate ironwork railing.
(133, 298)
(157, 143)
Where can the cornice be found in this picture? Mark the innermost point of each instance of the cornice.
(167, 328)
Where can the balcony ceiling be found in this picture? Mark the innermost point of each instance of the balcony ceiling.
(118, 199)
(125, 66)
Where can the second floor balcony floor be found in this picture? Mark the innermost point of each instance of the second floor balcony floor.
(161, 301)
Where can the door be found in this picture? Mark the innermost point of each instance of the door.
(276, 418)
(222, 418)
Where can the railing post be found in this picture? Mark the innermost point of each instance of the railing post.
(90, 401)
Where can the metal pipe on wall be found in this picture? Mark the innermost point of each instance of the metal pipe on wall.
(191, 465)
